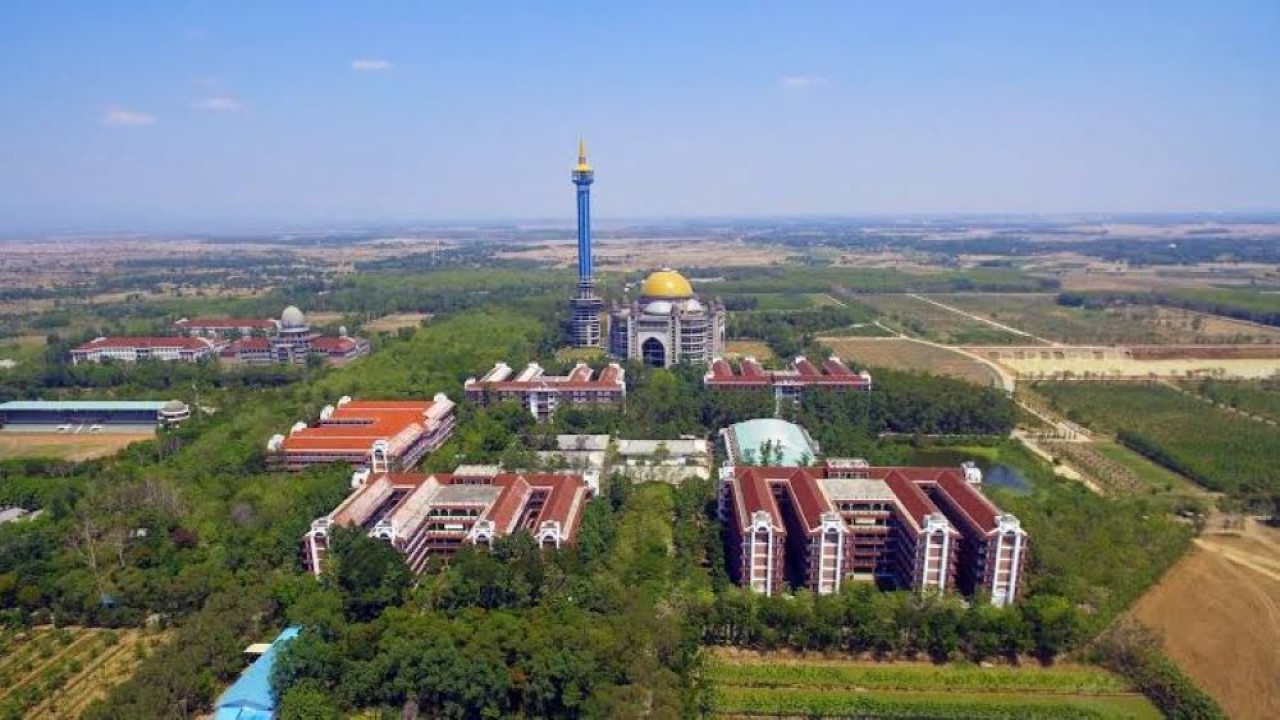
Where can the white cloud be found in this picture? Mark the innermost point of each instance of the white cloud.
(370, 64)
(803, 80)
(120, 117)
(218, 104)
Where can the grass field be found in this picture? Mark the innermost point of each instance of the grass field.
(917, 317)
(392, 323)
(786, 686)
(1041, 315)
(48, 673)
(742, 348)
(903, 354)
(77, 447)
(1219, 612)
(1218, 449)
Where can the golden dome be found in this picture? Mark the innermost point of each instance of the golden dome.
(666, 283)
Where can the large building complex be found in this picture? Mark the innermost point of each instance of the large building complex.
(290, 340)
(76, 416)
(133, 349)
(542, 394)
(790, 384)
(667, 324)
(380, 435)
(922, 528)
(433, 515)
(586, 306)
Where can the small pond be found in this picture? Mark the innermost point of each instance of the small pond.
(994, 474)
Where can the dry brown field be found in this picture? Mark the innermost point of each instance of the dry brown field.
(742, 348)
(905, 354)
(1219, 612)
(323, 318)
(392, 323)
(81, 446)
(650, 253)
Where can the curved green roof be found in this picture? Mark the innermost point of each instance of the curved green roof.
(749, 436)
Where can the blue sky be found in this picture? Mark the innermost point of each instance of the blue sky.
(245, 115)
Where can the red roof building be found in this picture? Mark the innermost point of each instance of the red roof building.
(425, 515)
(789, 384)
(924, 528)
(542, 394)
(381, 435)
(133, 349)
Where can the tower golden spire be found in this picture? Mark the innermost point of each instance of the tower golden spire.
(582, 157)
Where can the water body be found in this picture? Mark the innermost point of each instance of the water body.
(994, 474)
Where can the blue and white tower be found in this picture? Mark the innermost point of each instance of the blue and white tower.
(586, 306)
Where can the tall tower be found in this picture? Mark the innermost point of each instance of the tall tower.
(586, 306)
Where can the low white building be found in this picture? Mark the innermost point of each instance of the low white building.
(669, 461)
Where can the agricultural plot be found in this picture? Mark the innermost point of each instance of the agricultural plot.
(1041, 315)
(1218, 449)
(905, 354)
(1217, 611)
(56, 673)
(918, 317)
(395, 321)
(787, 687)
(1260, 398)
(743, 348)
(1120, 470)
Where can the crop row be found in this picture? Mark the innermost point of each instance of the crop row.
(809, 703)
(1217, 449)
(28, 685)
(1086, 681)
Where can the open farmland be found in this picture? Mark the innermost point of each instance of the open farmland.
(788, 686)
(1260, 398)
(1219, 612)
(1218, 449)
(917, 316)
(1040, 314)
(393, 322)
(56, 673)
(742, 348)
(906, 354)
(82, 446)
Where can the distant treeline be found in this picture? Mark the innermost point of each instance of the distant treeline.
(1209, 245)
(1249, 305)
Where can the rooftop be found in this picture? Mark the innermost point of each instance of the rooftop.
(250, 696)
(84, 405)
(791, 439)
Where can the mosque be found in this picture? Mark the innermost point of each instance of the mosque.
(666, 325)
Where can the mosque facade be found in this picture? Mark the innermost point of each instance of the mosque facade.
(667, 324)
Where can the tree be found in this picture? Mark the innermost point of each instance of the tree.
(369, 573)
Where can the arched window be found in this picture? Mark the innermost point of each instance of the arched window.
(653, 353)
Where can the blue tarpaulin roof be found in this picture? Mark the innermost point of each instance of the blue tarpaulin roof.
(250, 697)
